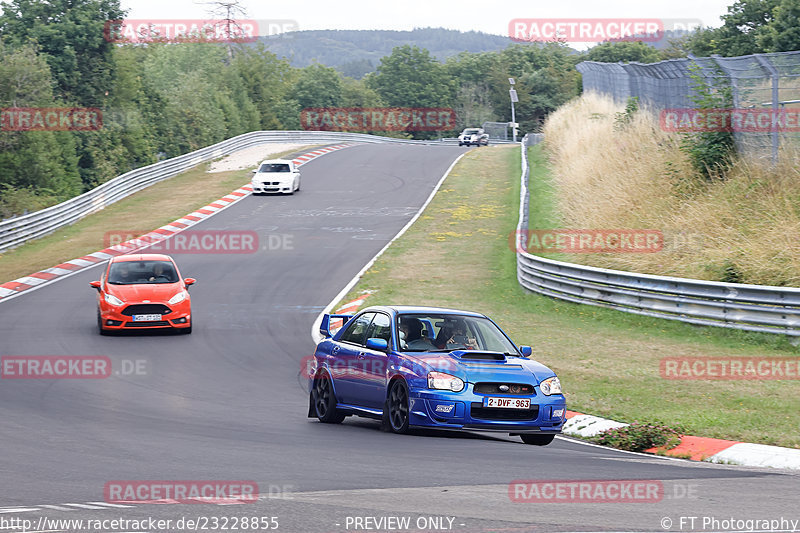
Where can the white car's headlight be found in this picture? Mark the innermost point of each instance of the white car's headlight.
(178, 298)
(442, 381)
(550, 386)
(113, 300)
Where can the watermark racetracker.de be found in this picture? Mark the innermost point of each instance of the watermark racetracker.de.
(597, 241)
(50, 119)
(587, 241)
(378, 119)
(202, 241)
(745, 120)
(185, 491)
(139, 31)
(730, 368)
(600, 491)
(592, 30)
(69, 367)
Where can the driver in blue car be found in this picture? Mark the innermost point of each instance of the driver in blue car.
(453, 337)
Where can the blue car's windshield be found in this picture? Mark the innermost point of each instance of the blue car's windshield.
(426, 332)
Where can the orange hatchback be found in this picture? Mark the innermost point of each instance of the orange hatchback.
(143, 291)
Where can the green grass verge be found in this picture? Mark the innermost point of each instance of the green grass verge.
(457, 254)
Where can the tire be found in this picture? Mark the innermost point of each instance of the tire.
(298, 185)
(396, 408)
(324, 400)
(537, 439)
(100, 328)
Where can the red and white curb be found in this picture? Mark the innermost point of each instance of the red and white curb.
(696, 448)
(13, 288)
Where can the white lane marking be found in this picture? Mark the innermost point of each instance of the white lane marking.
(57, 507)
(106, 504)
(4, 510)
(84, 506)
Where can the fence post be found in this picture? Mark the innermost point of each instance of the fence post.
(773, 72)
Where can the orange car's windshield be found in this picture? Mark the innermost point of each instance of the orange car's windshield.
(132, 272)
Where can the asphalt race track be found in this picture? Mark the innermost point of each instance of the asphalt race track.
(227, 403)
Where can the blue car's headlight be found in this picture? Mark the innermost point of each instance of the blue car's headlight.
(550, 386)
(442, 381)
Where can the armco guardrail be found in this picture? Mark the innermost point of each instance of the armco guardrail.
(730, 305)
(18, 230)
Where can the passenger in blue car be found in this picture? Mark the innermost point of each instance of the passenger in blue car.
(414, 340)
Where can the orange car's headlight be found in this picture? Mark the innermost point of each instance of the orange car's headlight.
(178, 298)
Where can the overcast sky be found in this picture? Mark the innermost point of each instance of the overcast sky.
(490, 16)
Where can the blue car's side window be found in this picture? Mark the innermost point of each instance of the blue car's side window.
(356, 332)
(381, 328)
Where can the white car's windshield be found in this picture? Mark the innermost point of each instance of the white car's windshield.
(274, 167)
(446, 332)
(470, 132)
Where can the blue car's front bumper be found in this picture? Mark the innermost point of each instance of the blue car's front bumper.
(466, 410)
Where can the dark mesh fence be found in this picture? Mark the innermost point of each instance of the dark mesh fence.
(766, 83)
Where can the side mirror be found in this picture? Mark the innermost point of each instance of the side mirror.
(189, 281)
(380, 345)
(95, 284)
(255, 171)
(526, 351)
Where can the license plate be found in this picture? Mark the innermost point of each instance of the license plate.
(146, 318)
(507, 403)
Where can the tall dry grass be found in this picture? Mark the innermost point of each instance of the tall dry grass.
(743, 228)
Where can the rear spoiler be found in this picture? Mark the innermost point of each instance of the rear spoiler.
(325, 325)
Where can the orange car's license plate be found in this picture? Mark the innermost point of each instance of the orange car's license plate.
(146, 318)
(508, 403)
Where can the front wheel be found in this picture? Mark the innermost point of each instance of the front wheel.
(100, 328)
(395, 410)
(324, 401)
(537, 439)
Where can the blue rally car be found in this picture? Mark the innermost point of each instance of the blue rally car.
(434, 368)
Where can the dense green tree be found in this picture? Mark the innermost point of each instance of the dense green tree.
(70, 35)
(410, 77)
(740, 34)
(318, 86)
(625, 51)
(267, 81)
(783, 34)
(40, 162)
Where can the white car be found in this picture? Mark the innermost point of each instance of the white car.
(276, 176)
(475, 136)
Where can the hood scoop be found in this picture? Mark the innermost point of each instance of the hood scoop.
(475, 355)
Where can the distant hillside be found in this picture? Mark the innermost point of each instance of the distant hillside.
(356, 52)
